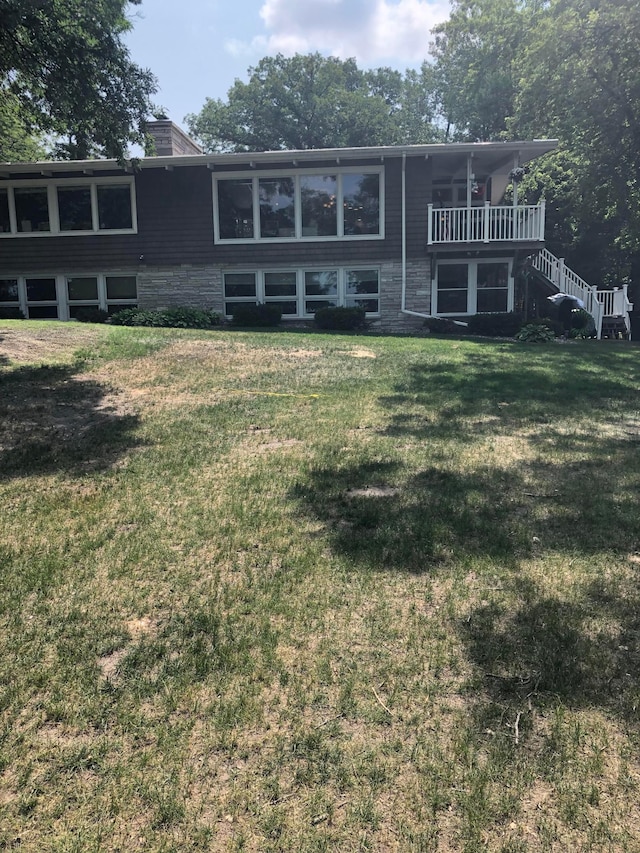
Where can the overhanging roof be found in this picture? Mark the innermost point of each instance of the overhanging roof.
(497, 154)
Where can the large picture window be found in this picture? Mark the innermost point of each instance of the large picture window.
(300, 293)
(314, 205)
(70, 207)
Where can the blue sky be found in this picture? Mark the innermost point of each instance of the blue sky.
(197, 48)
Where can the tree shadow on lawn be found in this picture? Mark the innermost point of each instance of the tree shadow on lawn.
(381, 518)
(581, 502)
(581, 651)
(52, 421)
(440, 400)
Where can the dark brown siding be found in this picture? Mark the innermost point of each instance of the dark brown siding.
(175, 226)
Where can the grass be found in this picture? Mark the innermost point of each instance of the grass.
(274, 592)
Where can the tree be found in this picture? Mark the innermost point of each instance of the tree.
(17, 142)
(64, 63)
(474, 68)
(310, 101)
(580, 81)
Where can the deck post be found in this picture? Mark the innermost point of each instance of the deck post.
(486, 221)
(541, 220)
(430, 225)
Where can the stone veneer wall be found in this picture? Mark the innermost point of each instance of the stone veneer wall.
(201, 286)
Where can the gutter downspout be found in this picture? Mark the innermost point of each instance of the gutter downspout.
(404, 232)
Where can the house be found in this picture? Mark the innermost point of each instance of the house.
(406, 232)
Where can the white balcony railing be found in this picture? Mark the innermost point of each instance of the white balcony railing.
(485, 224)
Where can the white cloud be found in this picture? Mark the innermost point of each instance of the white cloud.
(373, 31)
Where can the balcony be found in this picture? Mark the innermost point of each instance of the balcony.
(486, 224)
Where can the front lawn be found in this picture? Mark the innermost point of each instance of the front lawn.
(303, 592)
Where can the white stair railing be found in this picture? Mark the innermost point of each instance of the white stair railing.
(565, 280)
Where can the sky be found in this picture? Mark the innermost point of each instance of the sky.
(197, 48)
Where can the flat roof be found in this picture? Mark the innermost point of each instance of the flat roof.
(496, 150)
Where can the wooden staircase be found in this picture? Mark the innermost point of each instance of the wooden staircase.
(609, 308)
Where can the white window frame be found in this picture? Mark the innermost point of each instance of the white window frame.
(295, 175)
(301, 298)
(472, 286)
(51, 187)
(62, 301)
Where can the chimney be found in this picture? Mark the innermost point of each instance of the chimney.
(171, 140)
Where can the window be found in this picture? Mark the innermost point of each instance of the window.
(312, 205)
(493, 287)
(9, 292)
(277, 207)
(114, 207)
(320, 290)
(239, 289)
(74, 208)
(59, 296)
(121, 291)
(453, 284)
(42, 303)
(363, 290)
(318, 195)
(282, 288)
(300, 293)
(82, 292)
(235, 203)
(361, 202)
(32, 209)
(5, 218)
(67, 207)
(475, 287)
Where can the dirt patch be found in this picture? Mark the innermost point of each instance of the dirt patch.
(358, 353)
(50, 345)
(373, 492)
(137, 627)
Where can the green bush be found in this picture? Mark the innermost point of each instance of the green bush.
(495, 325)
(11, 313)
(441, 326)
(341, 319)
(535, 333)
(258, 315)
(91, 315)
(174, 318)
(550, 323)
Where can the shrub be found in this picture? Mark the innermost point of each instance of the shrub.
(341, 319)
(441, 326)
(91, 315)
(11, 313)
(535, 333)
(495, 325)
(190, 318)
(174, 318)
(136, 317)
(262, 314)
(550, 323)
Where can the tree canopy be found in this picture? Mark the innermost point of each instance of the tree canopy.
(65, 71)
(311, 101)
